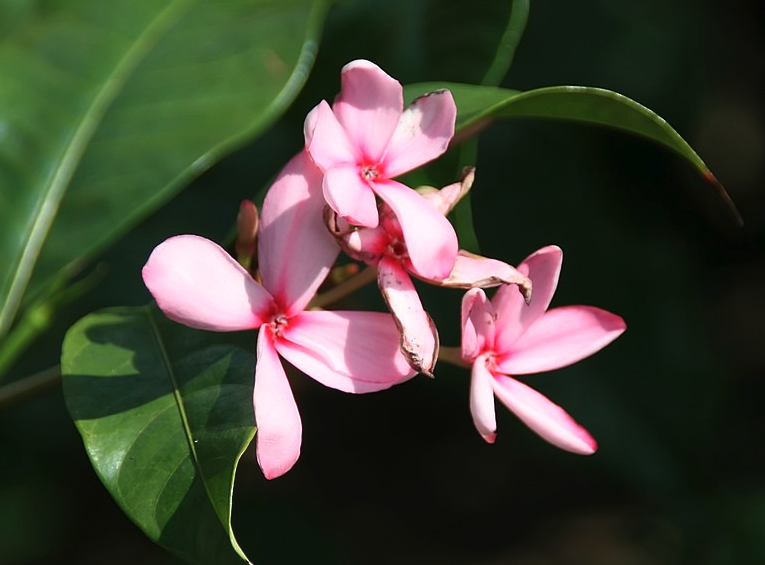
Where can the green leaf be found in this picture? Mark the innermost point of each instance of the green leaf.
(108, 108)
(12, 13)
(165, 413)
(478, 104)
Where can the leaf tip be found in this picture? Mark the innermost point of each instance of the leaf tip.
(712, 179)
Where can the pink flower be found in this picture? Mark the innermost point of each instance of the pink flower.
(506, 336)
(195, 282)
(365, 140)
(386, 246)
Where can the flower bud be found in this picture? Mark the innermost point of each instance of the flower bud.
(247, 222)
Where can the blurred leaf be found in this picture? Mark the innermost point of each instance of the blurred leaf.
(165, 413)
(108, 108)
(12, 12)
(478, 104)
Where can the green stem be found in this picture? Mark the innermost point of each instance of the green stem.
(39, 315)
(344, 288)
(36, 319)
(452, 355)
(29, 386)
(505, 52)
(462, 216)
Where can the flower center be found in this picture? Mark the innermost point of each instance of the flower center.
(397, 249)
(277, 324)
(369, 172)
(491, 360)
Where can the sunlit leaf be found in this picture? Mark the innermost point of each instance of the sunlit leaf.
(108, 108)
(478, 104)
(165, 413)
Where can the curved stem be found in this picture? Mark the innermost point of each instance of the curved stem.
(344, 288)
(33, 323)
(29, 386)
(505, 52)
(40, 314)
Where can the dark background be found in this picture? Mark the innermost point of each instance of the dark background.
(402, 476)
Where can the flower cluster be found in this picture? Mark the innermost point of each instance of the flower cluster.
(339, 194)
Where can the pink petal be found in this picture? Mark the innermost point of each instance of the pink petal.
(423, 133)
(195, 282)
(562, 336)
(472, 271)
(326, 140)
(369, 107)
(277, 443)
(448, 197)
(430, 239)
(514, 316)
(350, 196)
(419, 338)
(363, 244)
(349, 351)
(295, 250)
(482, 400)
(478, 323)
(544, 417)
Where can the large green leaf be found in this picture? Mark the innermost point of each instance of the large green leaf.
(165, 413)
(477, 104)
(107, 108)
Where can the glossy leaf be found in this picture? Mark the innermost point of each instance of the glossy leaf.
(165, 413)
(478, 104)
(108, 108)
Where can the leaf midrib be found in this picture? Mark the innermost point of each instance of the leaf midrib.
(170, 371)
(181, 406)
(51, 196)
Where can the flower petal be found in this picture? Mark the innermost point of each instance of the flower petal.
(423, 132)
(369, 106)
(277, 442)
(295, 250)
(482, 400)
(544, 417)
(430, 239)
(195, 282)
(349, 351)
(419, 338)
(326, 140)
(350, 196)
(471, 271)
(562, 336)
(362, 244)
(446, 198)
(478, 322)
(514, 316)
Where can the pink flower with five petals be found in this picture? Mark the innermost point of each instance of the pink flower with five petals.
(386, 247)
(365, 140)
(507, 337)
(195, 282)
